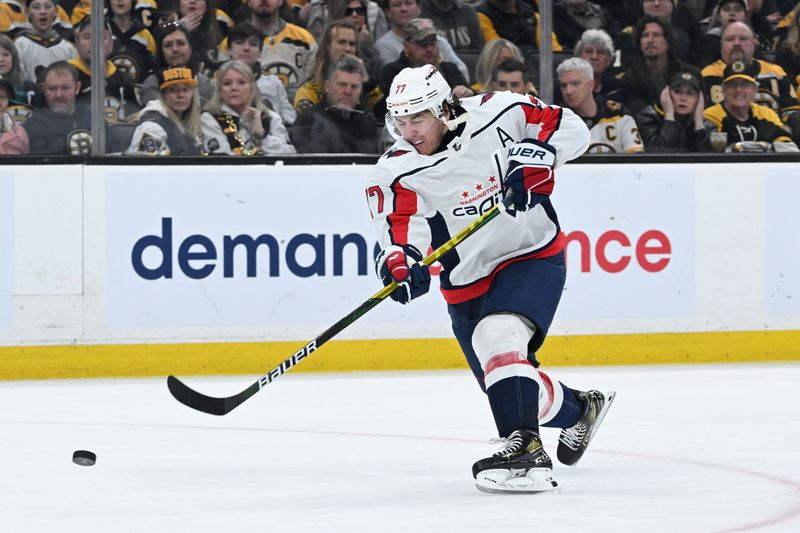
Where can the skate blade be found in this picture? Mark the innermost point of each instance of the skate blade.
(602, 414)
(609, 396)
(501, 481)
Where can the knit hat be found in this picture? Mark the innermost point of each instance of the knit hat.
(170, 76)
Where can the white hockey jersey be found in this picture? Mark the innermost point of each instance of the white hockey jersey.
(425, 200)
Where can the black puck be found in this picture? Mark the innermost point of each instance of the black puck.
(84, 457)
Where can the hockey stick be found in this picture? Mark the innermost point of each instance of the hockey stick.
(222, 406)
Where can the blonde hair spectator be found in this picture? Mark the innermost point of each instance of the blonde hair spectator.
(494, 53)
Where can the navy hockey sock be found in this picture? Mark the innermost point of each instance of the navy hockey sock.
(515, 404)
(570, 411)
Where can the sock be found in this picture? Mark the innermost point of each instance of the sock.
(515, 404)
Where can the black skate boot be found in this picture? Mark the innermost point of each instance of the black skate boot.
(521, 466)
(574, 440)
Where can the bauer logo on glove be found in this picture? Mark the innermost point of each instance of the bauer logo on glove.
(529, 175)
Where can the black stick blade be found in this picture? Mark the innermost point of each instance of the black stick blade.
(207, 404)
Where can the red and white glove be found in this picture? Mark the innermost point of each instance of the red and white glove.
(529, 175)
(401, 265)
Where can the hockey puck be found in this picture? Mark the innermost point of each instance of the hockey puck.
(84, 457)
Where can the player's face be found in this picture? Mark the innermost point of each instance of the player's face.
(60, 91)
(401, 11)
(731, 12)
(343, 41)
(83, 42)
(344, 89)
(597, 56)
(42, 14)
(684, 99)
(658, 8)
(738, 93)
(121, 7)
(235, 90)
(246, 50)
(422, 130)
(176, 49)
(422, 53)
(510, 81)
(738, 43)
(653, 43)
(6, 61)
(178, 98)
(575, 88)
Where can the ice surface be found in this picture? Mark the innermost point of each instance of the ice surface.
(709, 448)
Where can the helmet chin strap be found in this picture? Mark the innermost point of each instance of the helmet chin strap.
(453, 123)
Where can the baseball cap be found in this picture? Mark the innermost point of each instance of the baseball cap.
(741, 70)
(742, 3)
(689, 78)
(170, 76)
(417, 30)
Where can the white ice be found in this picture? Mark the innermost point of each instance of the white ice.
(703, 448)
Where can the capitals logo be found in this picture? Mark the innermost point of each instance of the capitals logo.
(479, 198)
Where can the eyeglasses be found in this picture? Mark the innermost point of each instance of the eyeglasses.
(361, 10)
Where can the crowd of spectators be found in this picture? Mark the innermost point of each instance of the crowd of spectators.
(261, 77)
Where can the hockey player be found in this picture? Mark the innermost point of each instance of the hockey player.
(453, 161)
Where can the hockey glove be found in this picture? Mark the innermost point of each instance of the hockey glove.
(400, 264)
(529, 175)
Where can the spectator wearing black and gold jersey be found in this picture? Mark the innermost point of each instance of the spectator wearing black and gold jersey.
(288, 50)
(120, 99)
(774, 87)
(611, 126)
(515, 20)
(339, 38)
(747, 125)
(134, 45)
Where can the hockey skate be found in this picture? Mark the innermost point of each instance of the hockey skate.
(574, 440)
(521, 466)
